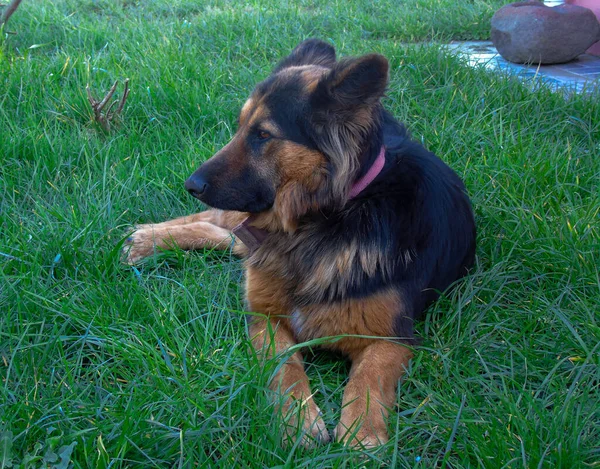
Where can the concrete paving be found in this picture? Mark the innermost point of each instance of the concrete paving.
(579, 75)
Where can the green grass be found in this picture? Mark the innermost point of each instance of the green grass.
(105, 365)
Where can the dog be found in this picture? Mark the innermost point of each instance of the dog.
(349, 230)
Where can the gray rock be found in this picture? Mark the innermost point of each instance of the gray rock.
(531, 32)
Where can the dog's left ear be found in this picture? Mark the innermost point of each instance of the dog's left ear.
(309, 52)
(353, 83)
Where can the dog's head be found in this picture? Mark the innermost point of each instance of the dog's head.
(300, 138)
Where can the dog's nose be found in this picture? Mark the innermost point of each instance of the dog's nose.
(196, 185)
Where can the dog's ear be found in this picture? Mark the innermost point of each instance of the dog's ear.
(345, 104)
(309, 52)
(353, 83)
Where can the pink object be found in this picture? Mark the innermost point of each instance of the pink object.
(371, 174)
(593, 5)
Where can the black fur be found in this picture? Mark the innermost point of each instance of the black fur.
(309, 52)
(416, 214)
(412, 229)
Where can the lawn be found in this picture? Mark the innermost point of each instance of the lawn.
(106, 365)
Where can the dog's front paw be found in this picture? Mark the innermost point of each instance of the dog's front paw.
(305, 423)
(144, 226)
(357, 433)
(139, 245)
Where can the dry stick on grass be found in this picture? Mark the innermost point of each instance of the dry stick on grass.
(9, 10)
(104, 119)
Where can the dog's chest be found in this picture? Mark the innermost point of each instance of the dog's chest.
(299, 326)
(297, 294)
(311, 324)
(326, 270)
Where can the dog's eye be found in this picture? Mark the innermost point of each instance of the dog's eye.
(262, 135)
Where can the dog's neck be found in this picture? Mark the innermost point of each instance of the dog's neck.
(362, 183)
(253, 237)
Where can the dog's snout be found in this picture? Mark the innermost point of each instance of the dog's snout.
(196, 185)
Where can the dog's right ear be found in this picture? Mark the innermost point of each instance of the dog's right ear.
(309, 52)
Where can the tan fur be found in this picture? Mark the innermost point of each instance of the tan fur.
(302, 172)
(344, 141)
(361, 328)
(222, 218)
(247, 109)
(371, 317)
(310, 74)
(256, 112)
(234, 153)
(210, 229)
(340, 268)
(271, 336)
(371, 393)
(377, 363)
(311, 78)
(268, 126)
(343, 136)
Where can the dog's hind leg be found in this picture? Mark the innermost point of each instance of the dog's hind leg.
(371, 392)
(195, 235)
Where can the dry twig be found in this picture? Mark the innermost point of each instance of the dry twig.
(106, 118)
(9, 10)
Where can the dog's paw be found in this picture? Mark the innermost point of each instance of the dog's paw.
(139, 245)
(359, 434)
(307, 424)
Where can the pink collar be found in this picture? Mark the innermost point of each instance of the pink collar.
(253, 237)
(369, 176)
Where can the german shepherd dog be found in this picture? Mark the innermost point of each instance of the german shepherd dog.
(349, 230)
